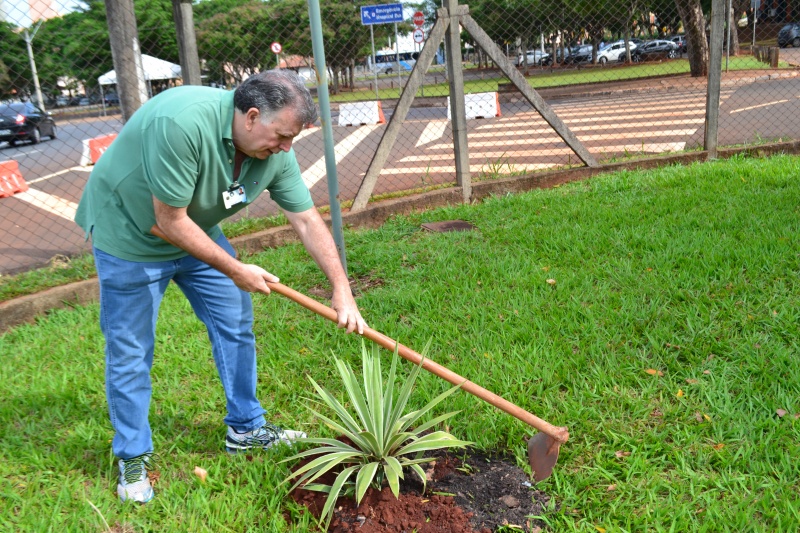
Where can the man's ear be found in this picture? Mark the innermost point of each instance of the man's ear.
(251, 117)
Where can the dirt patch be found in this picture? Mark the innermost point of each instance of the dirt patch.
(467, 493)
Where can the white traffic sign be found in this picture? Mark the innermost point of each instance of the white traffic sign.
(419, 36)
(419, 18)
(276, 47)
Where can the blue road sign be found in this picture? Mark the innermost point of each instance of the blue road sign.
(382, 14)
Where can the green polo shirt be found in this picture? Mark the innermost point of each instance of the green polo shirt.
(177, 147)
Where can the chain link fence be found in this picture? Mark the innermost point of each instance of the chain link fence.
(626, 80)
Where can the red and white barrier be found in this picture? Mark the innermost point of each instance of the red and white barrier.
(11, 181)
(94, 148)
(479, 105)
(361, 113)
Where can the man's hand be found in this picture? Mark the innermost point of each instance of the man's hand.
(174, 226)
(253, 278)
(347, 312)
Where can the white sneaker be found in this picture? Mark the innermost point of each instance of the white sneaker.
(133, 481)
(264, 437)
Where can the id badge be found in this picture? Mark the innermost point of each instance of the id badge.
(234, 195)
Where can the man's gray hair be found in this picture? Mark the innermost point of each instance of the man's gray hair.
(271, 91)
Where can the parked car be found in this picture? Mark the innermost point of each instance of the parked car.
(84, 101)
(614, 51)
(680, 41)
(657, 49)
(534, 57)
(579, 54)
(23, 121)
(62, 101)
(111, 99)
(789, 34)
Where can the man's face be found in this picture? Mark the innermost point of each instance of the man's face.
(260, 139)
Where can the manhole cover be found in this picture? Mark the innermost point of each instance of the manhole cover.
(448, 225)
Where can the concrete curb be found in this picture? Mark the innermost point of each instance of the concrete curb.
(26, 309)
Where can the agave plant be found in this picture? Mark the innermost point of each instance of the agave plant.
(384, 440)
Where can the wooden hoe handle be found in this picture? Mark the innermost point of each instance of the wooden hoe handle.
(561, 434)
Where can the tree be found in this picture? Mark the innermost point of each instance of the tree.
(695, 29)
(14, 56)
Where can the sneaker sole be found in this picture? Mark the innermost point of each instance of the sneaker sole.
(126, 498)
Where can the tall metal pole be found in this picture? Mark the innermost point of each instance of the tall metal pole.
(28, 41)
(374, 63)
(397, 45)
(728, 20)
(327, 129)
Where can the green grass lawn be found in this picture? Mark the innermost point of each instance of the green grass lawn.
(667, 344)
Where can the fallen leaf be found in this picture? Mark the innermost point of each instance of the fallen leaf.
(796, 416)
(680, 393)
(654, 372)
(551, 281)
(621, 454)
(708, 418)
(546, 269)
(656, 413)
(706, 372)
(781, 412)
(692, 381)
(698, 416)
(612, 487)
(718, 446)
(600, 529)
(202, 473)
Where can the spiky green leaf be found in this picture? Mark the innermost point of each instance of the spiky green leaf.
(364, 478)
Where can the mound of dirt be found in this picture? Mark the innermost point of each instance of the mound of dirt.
(468, 493)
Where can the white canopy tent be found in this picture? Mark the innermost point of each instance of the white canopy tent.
(154, 69)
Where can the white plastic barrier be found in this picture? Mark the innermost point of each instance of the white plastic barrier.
(361, 113)
(94, 148)
(479, 105)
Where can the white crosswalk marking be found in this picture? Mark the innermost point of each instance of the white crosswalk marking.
(49, 202)
(317, 171)
(523, 141)
(433, 131)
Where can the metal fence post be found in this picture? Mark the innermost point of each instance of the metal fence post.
(457, 106)
(714, 74)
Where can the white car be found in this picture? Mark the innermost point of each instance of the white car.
(614, 51)
(534, 57)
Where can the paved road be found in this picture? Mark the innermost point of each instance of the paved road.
(37, 225)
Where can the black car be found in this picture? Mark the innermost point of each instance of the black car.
(111, 99)
(24, 121)
(658, 49)
(579, 54)
(789, 35)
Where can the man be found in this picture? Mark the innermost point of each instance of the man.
(187, 159)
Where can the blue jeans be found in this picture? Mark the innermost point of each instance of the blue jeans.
(130, 294)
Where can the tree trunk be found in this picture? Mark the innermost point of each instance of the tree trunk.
(123, 35)
(187, 42)
(696, 44)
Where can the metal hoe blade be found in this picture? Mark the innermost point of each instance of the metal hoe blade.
(542, 455)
